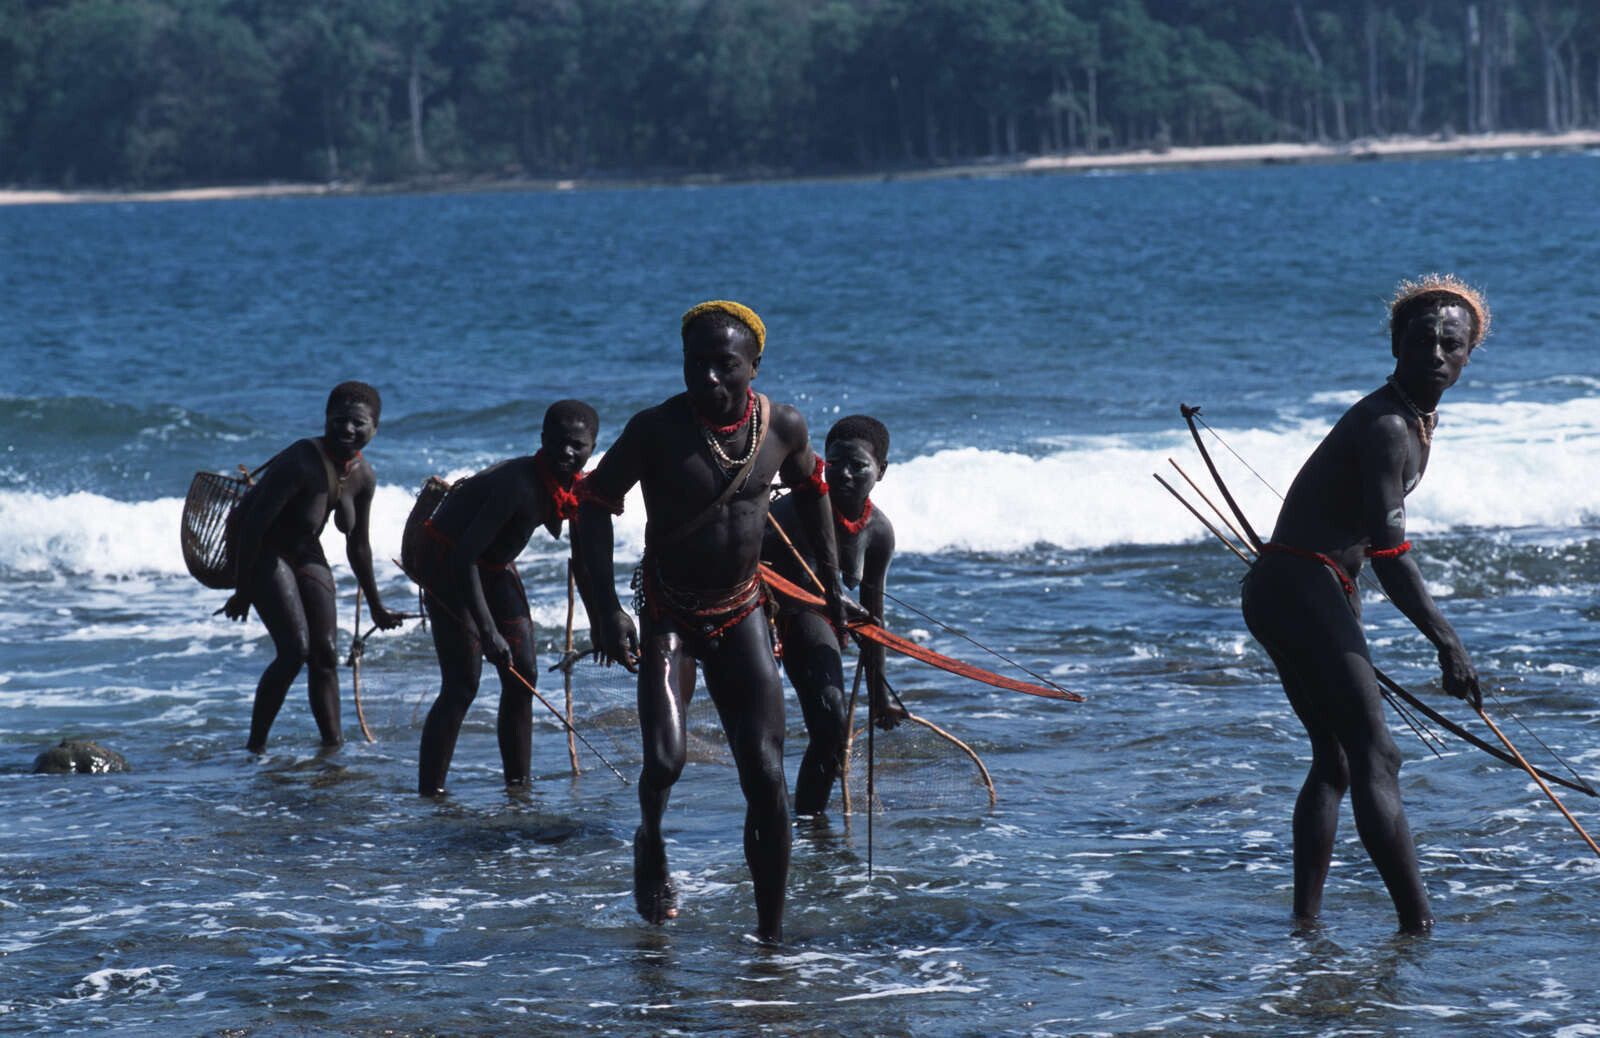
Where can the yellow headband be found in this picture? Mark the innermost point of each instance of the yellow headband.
(739, 312)
(1447, 284)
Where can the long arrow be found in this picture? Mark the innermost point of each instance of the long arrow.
(1532, 771)
(1189, 414)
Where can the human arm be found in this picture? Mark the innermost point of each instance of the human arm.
(1383, 511)
(611, 629)
(802, 469)
(358, 549)
(494, 500)
(886, 713)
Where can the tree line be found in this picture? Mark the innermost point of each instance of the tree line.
(163, 92)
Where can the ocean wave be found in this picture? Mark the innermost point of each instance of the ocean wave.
(85, 533)
(1510, 465)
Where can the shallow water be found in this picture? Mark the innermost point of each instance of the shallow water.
(1027, 342)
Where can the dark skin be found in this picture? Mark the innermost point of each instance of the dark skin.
(283, 573)
(1349, 498)
(490, 517)
(662, 450)
(810, 650)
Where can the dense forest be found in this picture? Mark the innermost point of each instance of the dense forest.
(163, 92)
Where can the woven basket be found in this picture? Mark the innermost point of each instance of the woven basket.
(205, 528)
(433, 493)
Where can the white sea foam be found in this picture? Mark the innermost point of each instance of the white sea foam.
(1502, 465)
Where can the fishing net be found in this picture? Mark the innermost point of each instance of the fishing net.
(915, 766)
(206, 551)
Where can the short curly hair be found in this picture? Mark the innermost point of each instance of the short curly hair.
(1430, 291)
(564, 411)
(862, 427)
(355, 393)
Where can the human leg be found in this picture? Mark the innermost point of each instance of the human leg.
(1316, 809)
(315, 582)
(508, 604)
(743, 682)
(1380, 814)
(666, 682)
(276, 596)
(811, 659)
(1315, 638)
(455, 643)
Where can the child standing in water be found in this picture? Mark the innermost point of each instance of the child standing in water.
(857, 457)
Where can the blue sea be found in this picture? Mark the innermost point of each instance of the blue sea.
(1028, 342)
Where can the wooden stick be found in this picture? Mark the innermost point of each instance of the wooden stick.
(1393, 692)
(355, 668)
(1213, 504)
(1535, 776)
(1196, 513)
(566, 673)
(872, 788)
(518, 675)
(849, 739)
(797, 556)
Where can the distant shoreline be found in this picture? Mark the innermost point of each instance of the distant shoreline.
(1223, 156)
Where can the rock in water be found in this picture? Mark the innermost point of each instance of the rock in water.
(78, 755)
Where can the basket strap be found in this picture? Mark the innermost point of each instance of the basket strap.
(335, 484)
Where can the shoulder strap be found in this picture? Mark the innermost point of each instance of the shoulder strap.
(764, 407)
(335, 485)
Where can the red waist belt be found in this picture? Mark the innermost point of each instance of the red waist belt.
(1275, 548)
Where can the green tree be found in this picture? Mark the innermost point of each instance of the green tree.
(1139, 81)
(92, 77)
(211, 109)
(334, 95)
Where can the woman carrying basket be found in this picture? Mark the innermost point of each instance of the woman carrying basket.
(275, 531)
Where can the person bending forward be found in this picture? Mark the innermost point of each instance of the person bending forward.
(1347, 506)
(475, 596)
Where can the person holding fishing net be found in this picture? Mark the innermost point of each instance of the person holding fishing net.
(857, 456)
(1346, 507)
(706, 460)
(463, 553)
(275, 539)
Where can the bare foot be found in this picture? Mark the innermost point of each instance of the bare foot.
(653, 893)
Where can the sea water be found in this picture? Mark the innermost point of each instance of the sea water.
(1028, 342)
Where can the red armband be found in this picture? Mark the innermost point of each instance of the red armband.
(585, 492)
(1389, 553)
(815, 482)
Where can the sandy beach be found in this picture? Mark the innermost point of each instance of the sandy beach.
(1283, 153)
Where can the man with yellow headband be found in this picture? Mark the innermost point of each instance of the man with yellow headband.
(706, 460)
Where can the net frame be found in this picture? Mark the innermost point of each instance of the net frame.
(873, 798)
